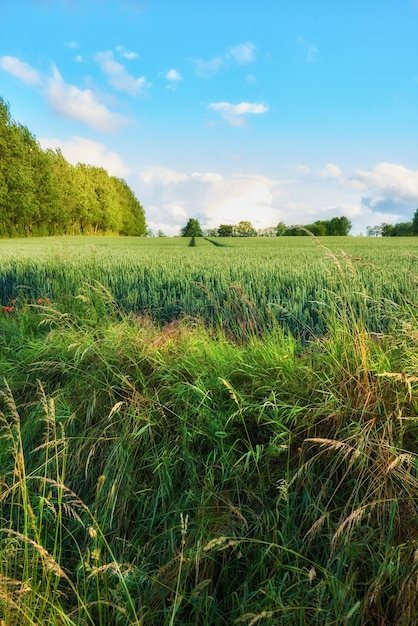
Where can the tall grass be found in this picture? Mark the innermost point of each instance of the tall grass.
(191, 474)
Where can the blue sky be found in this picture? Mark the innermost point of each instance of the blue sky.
(226, 110)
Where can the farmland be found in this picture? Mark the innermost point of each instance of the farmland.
(250, 281)
(209, 434)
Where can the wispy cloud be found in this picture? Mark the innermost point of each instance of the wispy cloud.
(204, 69)
(72, 103)
(173, 77)
(126, 54)
(331, 172)
(235, 113)
(71, 44)
(244, 53)
(66, 100)
(310, 50)
(117, 75)
(20, 69)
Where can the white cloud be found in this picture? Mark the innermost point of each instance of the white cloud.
(126, 54)
(388, 188)
(394, 181)
(83, 150)
(117, 75)
(172, 197)
(204, 69)
(71, 44)
(244, 53)
(234, 113)
(174, 77)
(331, 171)
(20, 69)
(310, 50)
(79, 58)
(66, 100)
(72, 103)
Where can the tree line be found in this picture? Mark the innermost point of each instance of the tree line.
(42, 194)
(334, 227)
(402, 229)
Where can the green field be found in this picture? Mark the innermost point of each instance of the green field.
(209, 434)
(247, 282)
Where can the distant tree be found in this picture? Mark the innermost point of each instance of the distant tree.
(245, 229)
(318, 228)
(415, 223)
(339, 226)
(161, 233)
(403, 229)
(210, 232)
(192, 229)
(375, 231)
(225, 230)
(295, 231)
(269, 231)
(386, 230)
(281, 229)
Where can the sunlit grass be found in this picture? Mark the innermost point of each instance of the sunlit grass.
(192, 473)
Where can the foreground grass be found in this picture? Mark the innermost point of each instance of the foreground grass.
(172, 475)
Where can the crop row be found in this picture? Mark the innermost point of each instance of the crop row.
(243, 285)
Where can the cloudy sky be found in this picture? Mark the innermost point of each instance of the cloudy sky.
(226, 110)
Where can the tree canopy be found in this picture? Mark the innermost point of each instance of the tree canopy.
(336, 226)
(401, 229)
(42, 194)
(192, 229)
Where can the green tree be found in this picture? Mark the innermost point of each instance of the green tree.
(403, 229)
(225, 230)
(192, 229)
(339, 226)
(245, 229)
(281, 229)
(415, 223)
(133, 214)
(386, 229)
(42, 194)
(318, 228)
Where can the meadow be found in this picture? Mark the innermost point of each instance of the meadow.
(216, 434)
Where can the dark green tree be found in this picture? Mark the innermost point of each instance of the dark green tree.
(318, 228)
(192, 229)
(386, 229)
(281, 229)
(403, 229)
(415, 223)
(339, 226)
(225, 230)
